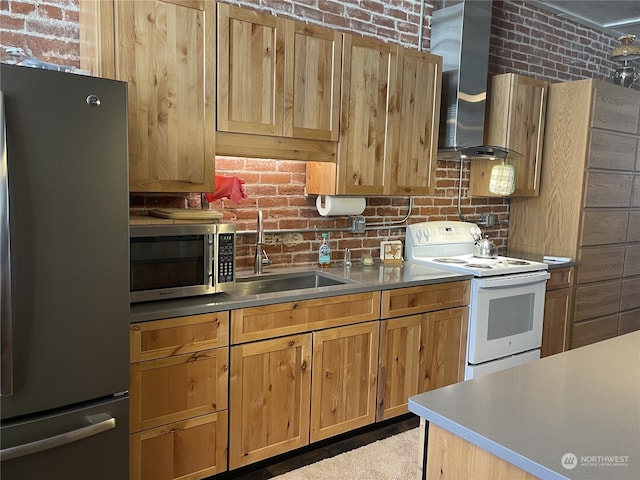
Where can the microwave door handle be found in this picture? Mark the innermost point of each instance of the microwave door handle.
(209, 254)
(514, 281)
(6, 367)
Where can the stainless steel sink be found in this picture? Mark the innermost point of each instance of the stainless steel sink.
(284, 282)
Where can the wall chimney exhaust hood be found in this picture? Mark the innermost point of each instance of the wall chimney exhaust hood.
(460, 34)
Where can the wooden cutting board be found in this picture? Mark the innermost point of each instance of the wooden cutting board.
(185, 213)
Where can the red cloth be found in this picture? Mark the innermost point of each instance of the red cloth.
(228, 187)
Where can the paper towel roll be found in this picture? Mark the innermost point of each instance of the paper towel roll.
(332, 205)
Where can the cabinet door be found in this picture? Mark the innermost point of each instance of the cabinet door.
(164, 50)
(269, 398)
(312, 82)
(419, 353)
(401, 364)
(516, 112)
(175, 388)
(192, 449)
(557, 311)
(446, 347)
(250, 71)
(414, 116)
(362, 147)
(344, 376)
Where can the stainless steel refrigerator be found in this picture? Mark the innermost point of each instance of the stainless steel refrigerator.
(64, 210)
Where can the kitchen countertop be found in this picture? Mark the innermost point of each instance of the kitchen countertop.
(363, 279)
(583, 402)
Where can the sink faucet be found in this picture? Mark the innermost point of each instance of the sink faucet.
(261, 256)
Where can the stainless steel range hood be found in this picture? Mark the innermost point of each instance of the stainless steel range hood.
(460, 33)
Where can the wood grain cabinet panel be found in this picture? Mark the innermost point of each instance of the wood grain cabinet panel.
(588, 207)
(412, 300)
(633, 231)
(270, 397)
(558, 313)
(630, 296)
(597, 299)
(390, 103)
(178, 387)
(257, 323)
(596, 330)
(175, 336)
(419, 353)
(629, 322)
(612, 151)
(604, 226)
(165, 50)
(615, 108)
(191, 449)
(608, 190)
(632, 260)
(600, 263)
(343, 390)
(279, 83)
(515, 119)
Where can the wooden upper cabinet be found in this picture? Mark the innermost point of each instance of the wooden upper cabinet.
(164, 50)
(389, 122)
(277, 77)
(414, 115)
(515, 119)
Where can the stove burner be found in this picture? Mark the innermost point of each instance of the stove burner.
(449, 260)
(517, 262)
(478, 265)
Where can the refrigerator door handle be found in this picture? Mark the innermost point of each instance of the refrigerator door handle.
(6, 342)
(104, 422)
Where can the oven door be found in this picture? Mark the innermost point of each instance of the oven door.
(506, 315)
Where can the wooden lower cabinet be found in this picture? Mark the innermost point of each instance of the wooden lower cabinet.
(557, 311)
(343, 388)
(191, 449)
(178, 397)
(419, 353)
(269, 398)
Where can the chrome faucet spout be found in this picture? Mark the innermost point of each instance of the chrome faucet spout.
(257, 263)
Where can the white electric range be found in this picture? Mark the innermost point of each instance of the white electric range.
(507, 294)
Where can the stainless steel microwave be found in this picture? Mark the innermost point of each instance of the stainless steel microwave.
(174, 261)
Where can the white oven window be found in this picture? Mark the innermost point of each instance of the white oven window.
(510, 316)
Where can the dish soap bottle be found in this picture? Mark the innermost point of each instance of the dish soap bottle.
(324, 252)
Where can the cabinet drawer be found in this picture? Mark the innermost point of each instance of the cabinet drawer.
(608, 189)
(629, 322)
(269, 321)
(175, 388)
(176, 336)
(635, 196)
(612, 151)
(595, 330)
(633, 232)
(560, 278)
(615, 108)
(632, 260)
(630, 297)
(604, 226)
(600, 263)
(596, 300)
(195, 448)
(426, 298)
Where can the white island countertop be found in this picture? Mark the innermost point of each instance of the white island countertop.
(574, 415)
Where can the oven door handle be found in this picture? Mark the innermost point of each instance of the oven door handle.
(508, 281)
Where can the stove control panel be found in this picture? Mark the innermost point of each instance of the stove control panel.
(428, 233)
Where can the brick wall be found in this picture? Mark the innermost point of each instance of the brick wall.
(524, 39)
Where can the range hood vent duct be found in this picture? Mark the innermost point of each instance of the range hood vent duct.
(460, 34)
